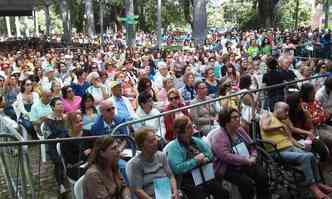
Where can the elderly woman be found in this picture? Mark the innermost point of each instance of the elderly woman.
(103, 178)
(236, 158)
(186, 153)
(211, 81)
(71, 102)
(149, 166)
(188, 92)
(204, 117)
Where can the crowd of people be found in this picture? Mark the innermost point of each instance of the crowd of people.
(75, 92)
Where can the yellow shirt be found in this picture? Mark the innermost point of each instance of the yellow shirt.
(278, 136)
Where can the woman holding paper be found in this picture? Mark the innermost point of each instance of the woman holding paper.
(236, 158)
(149, 173)
(189, 159)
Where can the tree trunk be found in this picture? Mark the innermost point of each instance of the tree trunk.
(327, 14)
(130, 28)
(199, 22)
(297, 8)
(186, 12)
(9, 30)
(159, 24)
(266, 12)
(65, 16)
(47, 4)
(18, 27)
(90, 20)
(101, 21)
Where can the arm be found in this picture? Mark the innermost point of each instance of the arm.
(177, 161)
(296, 130)
(265, 124)
(135, 178)
(170, 175)
(222, 150)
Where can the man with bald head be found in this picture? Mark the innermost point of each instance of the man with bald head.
(108, 120)
(275, 129)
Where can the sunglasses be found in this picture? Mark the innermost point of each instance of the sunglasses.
(174, 98)
(28, 84)
(110, 109)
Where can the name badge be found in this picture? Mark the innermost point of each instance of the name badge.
(162, 188)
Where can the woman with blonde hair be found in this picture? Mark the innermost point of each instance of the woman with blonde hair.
(145, 169)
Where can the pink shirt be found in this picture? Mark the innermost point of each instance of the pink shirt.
(71, 106)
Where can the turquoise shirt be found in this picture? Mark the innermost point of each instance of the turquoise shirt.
(177, 155)
(39, 110)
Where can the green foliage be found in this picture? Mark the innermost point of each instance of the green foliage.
(240, 14)
(286, 14)
(215, 16)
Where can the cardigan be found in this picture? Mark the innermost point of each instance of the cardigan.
(222, 149)
(177, 155)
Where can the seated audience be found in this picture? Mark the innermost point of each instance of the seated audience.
(103, 178)
(71, 102)
(108, 120)
(186, 153)
(273, 129)
(174, 100)
(148, 166)
(75, 153)
(89, 111)
(236, 167)
(204, 117)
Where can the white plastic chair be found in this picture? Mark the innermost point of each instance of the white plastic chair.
(71, 181)
(41, 136)
(78, 188)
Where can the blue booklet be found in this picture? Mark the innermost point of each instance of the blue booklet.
(162, 188)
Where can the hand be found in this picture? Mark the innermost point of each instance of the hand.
(200, 158)
(87, 152)
(175, 195)
(311, 136)
(252, 160)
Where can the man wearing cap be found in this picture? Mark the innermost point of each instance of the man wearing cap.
(122, 104)
(161, 75)
(108, 120)
(49, 76)
(97, 89)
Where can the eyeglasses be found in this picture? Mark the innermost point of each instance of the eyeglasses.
(235, 116)
(173, 98)
(28, 84)
(110, 109)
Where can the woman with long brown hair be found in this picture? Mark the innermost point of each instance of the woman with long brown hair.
(103, 178)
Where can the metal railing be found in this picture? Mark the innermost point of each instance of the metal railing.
(212, 101)
(13, 188)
